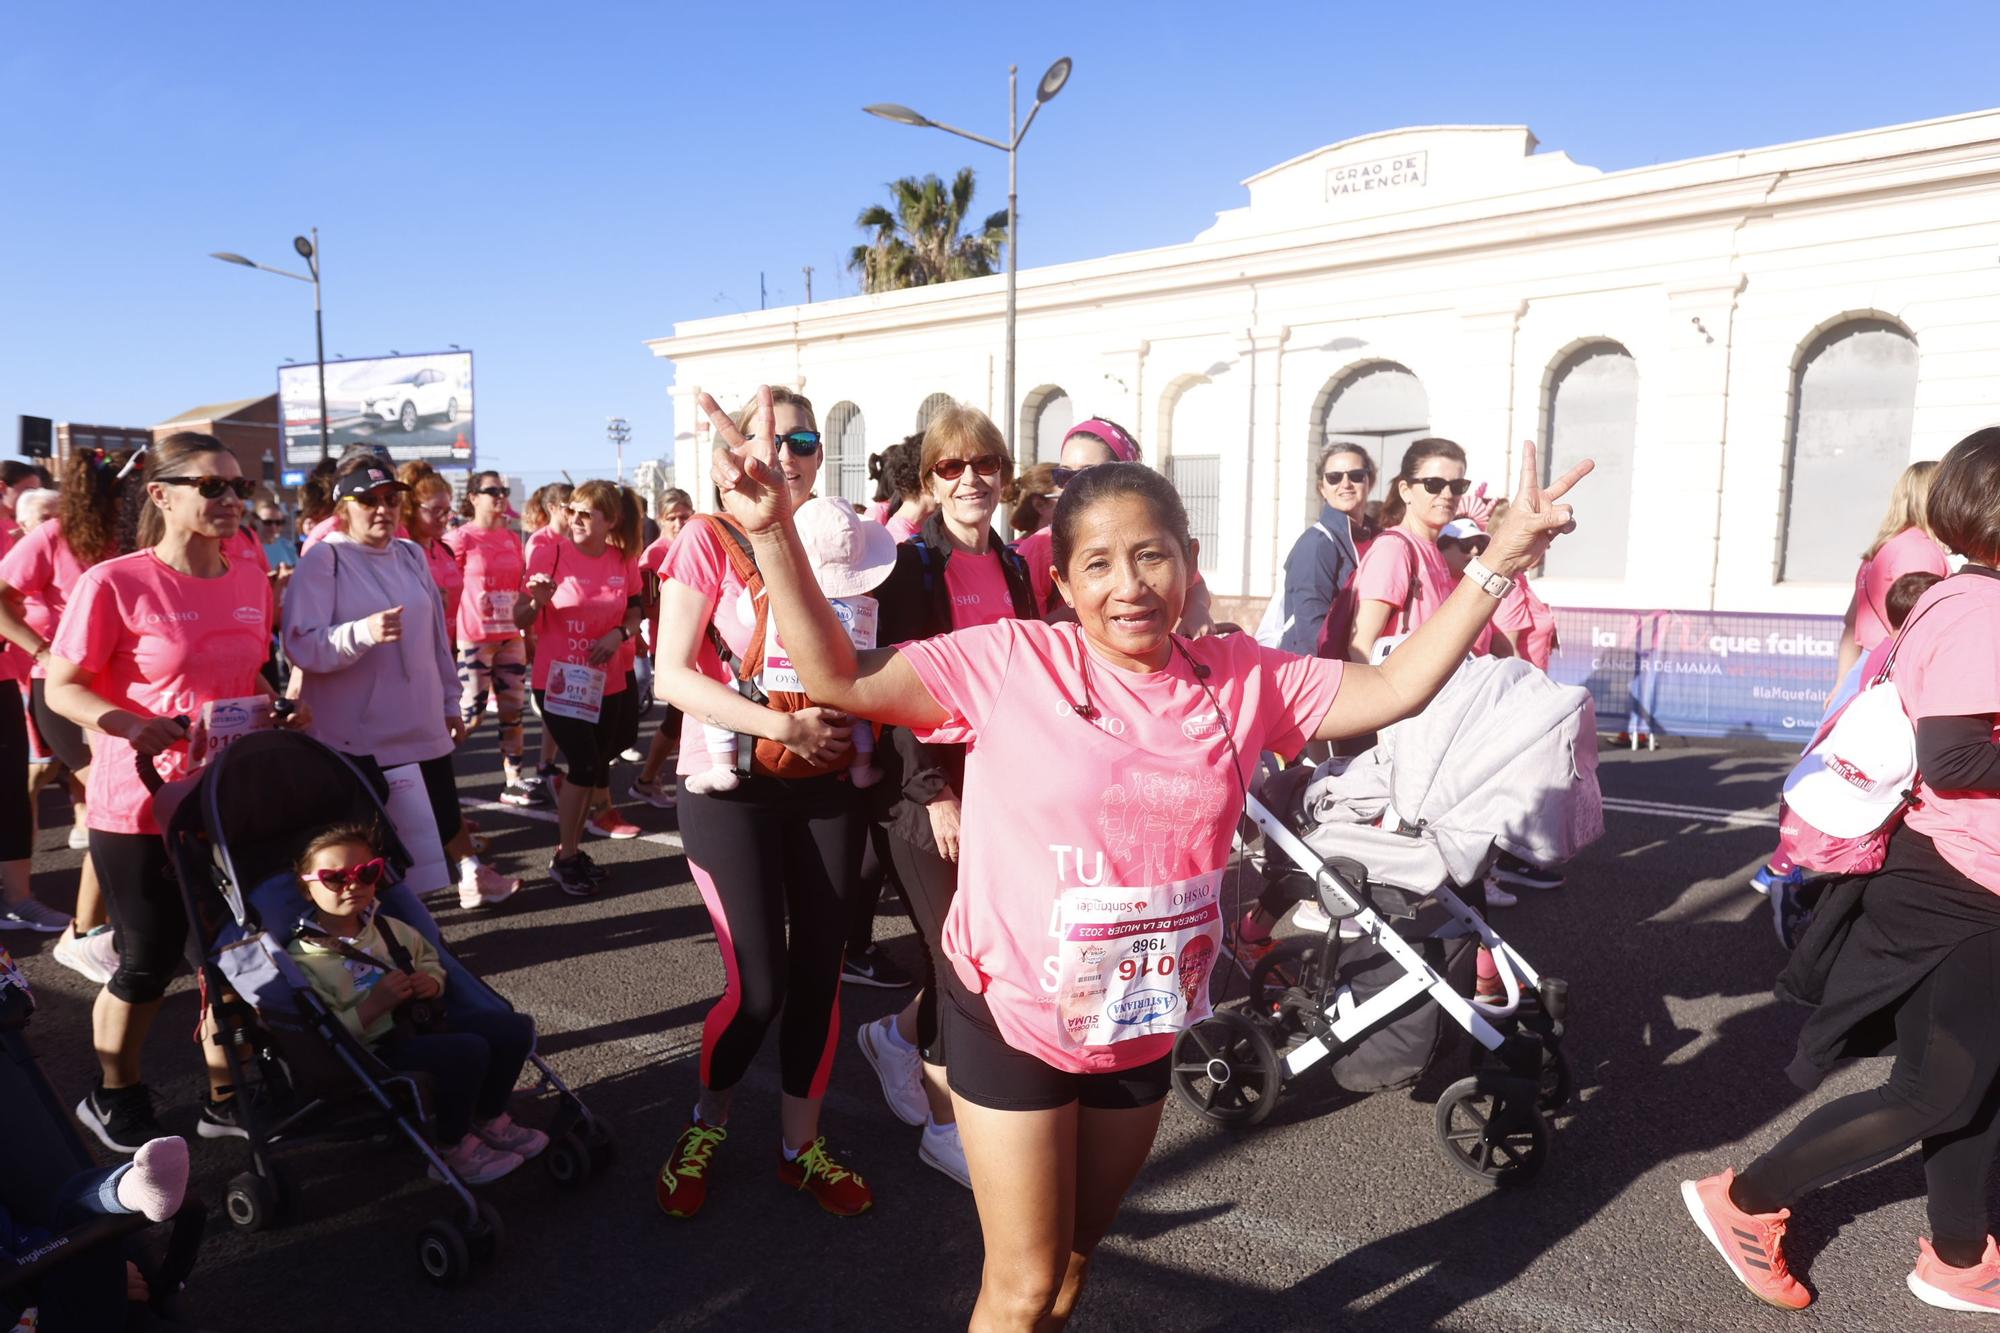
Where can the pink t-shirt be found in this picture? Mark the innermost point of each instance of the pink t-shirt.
(1949, 666)
(1529, 622)
(590, 600)
(541, 537)
(1038, 551)
(978, 588)
(160, 643)
(1142, 802)
(654, 558)
(493, 563)
(901, 528)
(43, 569)
(242, 545)
(1395, 564)
(449, 577)
(879, 511)
(1910, 551)
(698, 561)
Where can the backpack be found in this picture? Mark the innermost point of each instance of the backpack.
(771, 758)
(1275, 624)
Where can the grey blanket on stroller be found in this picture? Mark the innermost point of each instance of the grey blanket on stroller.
(1503, 756)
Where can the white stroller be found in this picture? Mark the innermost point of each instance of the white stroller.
(1503, 759)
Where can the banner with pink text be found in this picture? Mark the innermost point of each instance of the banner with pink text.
(1700, 673)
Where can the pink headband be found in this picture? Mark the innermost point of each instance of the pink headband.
(1123, 447)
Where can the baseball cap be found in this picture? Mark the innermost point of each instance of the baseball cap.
(1460, 529)
(849, 555)
(1854, 778)
(365, 479)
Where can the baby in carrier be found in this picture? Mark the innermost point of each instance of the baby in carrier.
(386, 983)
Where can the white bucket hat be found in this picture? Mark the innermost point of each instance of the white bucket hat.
(1852, 781)
(849, 555)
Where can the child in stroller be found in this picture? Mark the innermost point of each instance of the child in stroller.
(385, 982)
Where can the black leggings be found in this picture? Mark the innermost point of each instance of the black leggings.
(768, 851)
(928, 882)
(875, 872)
(146, 912)
(63, 737)
(17, 813)
(1942, 1091)
(440, 789)
(589, 747)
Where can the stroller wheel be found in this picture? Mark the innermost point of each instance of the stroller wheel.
(1293, 963)
(444, 1252)
(1226, 1069)
(1495, 1136)
(569, 1159)
(252, 1201)
(1557, 1083)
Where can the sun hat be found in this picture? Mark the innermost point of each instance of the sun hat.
(1853, 780)
(849, 555)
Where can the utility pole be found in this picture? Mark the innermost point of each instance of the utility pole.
(809, 284)
(760, 289)
(618, 430)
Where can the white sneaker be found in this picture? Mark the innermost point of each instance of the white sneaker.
(941, 1149)
(631, 755)
(476, 1163)
(1312, 918)
(502, 1133)
(32, 914)
(79, 838)
(1497, 896)
(92, 956)
(484, 886)
(900, 1068)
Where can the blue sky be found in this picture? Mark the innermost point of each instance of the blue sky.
(550, 185)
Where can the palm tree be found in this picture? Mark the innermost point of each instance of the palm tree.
(917, 239)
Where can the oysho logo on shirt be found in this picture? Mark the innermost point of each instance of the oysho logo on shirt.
(248, 615)
(170, 618)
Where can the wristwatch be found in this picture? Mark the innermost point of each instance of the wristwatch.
(1493, 585)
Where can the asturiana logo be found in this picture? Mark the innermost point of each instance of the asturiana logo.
(248, 615)
(1202, 726)
(1142, 1006)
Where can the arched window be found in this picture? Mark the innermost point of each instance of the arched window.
(1046, 416)
(1381, 408)
(1194, 449)
(1854, 396)
(1592, 410)
(931, 406)
(845, 469)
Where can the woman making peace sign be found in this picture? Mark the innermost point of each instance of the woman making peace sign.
(1075, 963)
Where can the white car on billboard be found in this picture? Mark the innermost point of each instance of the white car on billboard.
(411, 397)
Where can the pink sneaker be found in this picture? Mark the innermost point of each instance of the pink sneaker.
(503, 1133)
(476, 1162)
(608, 823)
(1975, 1289)
(483, 886)
(1752, 1244)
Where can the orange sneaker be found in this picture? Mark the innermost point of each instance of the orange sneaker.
(683, 1183)
(1936, 1283)
(838, 1190)
(1751, 1243)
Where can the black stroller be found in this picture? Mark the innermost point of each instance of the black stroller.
(233, 831)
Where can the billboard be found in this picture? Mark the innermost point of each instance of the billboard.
(417, 406)
(1700, 673)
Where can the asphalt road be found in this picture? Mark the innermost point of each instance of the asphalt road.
(1336, 1213)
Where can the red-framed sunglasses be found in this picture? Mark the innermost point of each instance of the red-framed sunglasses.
(368, 874)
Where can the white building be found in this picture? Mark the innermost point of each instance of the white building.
(1750, 345)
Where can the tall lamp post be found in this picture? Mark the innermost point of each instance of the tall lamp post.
(1017, 130)
(309, 251)
(618, 431)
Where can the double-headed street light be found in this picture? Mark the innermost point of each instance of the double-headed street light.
(1017, 130)
(308, 251)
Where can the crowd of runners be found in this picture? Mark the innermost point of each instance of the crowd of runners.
(856, 698)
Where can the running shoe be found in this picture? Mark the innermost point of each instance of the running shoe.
(1767, 878)
(598, 874)
(1752, 1244)
(1511, 869)
(941, 1148)
(1789, 914)
(1310, 917)
(503, 1134)
(872, 967)
(518, 793)
(683, 1184)
(899, 1066)
(837, 1189)
(1248, 949)
(1975, 1289)
(483, 886)
(121, 1118)
(572, 876)
(220, 1119)
(91, 955)
(477, 1162)
(608, 823)
(79, 838)
(658, 794)
(32, 914)
(1497, 896)
(631, 755)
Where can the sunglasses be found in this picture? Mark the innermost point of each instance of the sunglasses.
(368, 874)
(1476, 545)
(802, 443)
(1063, 476)
(434, 510)
(951, 469)
(1357, 475)
(497, 492)
(211, 488)
(583, 512)
(371, 498)
(1436, 485)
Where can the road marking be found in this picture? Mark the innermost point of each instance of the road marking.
(1698, 813)
(672, 841)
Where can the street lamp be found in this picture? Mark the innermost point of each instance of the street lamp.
(1051, 84)
(618, 431)
(308, 250)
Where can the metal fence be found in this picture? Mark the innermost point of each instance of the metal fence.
(1198, 477)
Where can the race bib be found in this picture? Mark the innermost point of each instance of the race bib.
(1136, 962)
(859, 616)
(221, 721)
(496, 613)
(575, 691)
